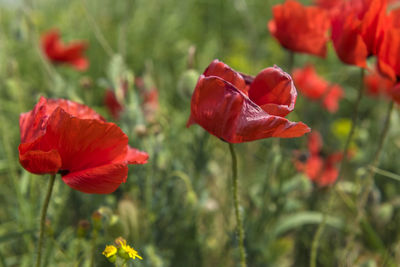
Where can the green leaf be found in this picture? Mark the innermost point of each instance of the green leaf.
(297, 220)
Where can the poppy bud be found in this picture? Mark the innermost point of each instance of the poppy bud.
(96, 218)
(83, 228)
(86, 82)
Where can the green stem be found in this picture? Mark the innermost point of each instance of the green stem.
(321, 226)
(375, 162)
(369, 180)
(315, 242)
(353, 125)
(43, 218)
(239, 222)
(93, 250)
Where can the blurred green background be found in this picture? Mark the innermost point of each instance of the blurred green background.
(177, 209)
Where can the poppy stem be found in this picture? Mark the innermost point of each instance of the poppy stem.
(369, 180)
(239, 222)
(354, 121)
(43, 218)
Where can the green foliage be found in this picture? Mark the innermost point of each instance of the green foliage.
(177, 209)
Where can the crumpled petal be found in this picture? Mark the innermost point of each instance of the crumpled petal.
(215, 106)
(229, 114)
(33, 124)
(99, 180)
(135, 156)
(223, 71)
(254, 123)
(273, 90)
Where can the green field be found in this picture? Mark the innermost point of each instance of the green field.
(177, 210)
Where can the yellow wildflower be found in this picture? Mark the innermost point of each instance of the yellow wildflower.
(132, 253)
(110, 251)
(126, 250)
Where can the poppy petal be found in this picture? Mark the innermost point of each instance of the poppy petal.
(223, 71)
(99, 142)
(274, 91)
(57, 52)
(215, 106)
(300, 28)
(314, 167)
(135, 156)
(348, 42)
(40, 162)
(80, 64)
(75, 109)
(331, 98)
(328, 176)
(314, 143)
(33, 123)
(98, 180)
(389, 53)
(228, 113)
(395, 93)
(254, 123)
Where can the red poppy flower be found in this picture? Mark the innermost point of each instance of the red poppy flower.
(150, 104)
(357, 30)
(61, 136)
(239, 108)
(299, 28)
(378, 84)
(389, 50)
(59, 53)
(329, 4)
(315, 88)
(395, 93)
(320, 169)
(112, 104)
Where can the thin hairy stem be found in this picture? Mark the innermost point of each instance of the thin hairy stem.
(239, 222)
(43, 219)
(354, 122)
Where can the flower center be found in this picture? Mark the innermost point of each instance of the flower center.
(63, 172)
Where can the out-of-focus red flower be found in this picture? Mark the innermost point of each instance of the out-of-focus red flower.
(150, 104)
(239, 108)
(61, 136)
(395, 93)
(112, 104)
(58, 53)
(329, 4)
(377, 84)
(315, 88)
(389, 50)
(319, 168)
(357, 30)
(299, 28)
